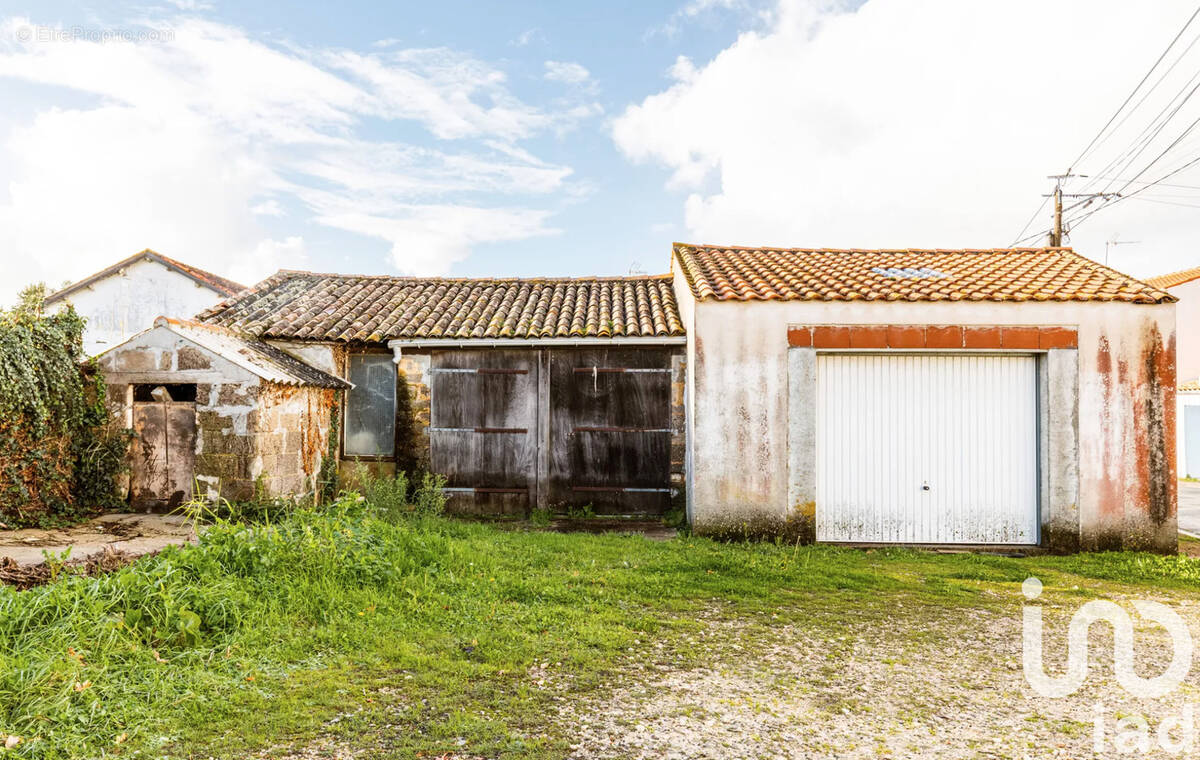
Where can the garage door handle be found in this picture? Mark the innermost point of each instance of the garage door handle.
(924, 486)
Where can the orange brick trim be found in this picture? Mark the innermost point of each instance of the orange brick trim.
(978, 337)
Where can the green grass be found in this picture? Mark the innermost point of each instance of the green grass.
(418, 634)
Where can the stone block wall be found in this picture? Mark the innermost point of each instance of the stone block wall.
(226, 419)
(290, 439)
(413, 425)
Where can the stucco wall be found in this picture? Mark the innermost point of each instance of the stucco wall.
(739, 407)
(1187, 317)
(123, 304)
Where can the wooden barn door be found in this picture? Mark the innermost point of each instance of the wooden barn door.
(609, 437)
(483, 429)
(163, 453)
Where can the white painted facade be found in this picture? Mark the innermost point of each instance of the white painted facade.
(750, 462)
(124, 303)
(1187, 316)
(1188, 446)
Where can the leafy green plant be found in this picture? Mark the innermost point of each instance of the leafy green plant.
(389, 495)
(430, 497)
(541, 517)
(56, 561)
(60, 452)
(586, 512)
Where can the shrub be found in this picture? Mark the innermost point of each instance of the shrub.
(59, 452)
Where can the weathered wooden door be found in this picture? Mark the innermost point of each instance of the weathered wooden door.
(163, 453)
(610, 430)
(483, 429)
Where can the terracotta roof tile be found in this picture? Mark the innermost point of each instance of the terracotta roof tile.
(804, 274)
(1175, 278)
(309, 306)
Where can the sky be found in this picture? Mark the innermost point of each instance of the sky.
(522, 139)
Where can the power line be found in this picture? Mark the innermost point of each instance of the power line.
(1150, 125)
(1045, 200)
(1133, 92)
(1078, 220)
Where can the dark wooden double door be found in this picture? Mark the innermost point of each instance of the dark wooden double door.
(553, 428)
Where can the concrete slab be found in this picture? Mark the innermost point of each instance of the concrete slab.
(131, 533)
(1189, 507)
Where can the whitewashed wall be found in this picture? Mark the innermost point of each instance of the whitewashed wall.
(1187, 317)
(738, 404)
(123, 304)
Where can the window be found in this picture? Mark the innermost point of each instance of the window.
(371, 407)
(144, 392)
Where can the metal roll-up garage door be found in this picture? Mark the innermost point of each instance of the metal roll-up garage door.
(927, 448)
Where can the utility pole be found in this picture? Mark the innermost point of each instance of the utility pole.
(1057, 232)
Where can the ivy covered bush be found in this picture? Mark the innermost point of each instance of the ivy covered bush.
(59, 452)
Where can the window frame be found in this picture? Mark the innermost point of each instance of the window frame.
(346, 407)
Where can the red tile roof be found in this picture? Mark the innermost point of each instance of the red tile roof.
(220, 285)
(309, 306)
(725, 273)
(1175, 278)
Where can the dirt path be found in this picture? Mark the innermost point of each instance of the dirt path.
(129, 534)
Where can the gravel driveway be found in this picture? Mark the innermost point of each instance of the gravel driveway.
(880, 689)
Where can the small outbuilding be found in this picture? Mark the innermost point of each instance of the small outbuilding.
(215, 409)
(1020, 397)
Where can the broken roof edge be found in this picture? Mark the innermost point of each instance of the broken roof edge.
(288, 369)
(214, 282)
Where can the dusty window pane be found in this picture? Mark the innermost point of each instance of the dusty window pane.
(371, 406)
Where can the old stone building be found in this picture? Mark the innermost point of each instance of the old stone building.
(217, 411)
(551, 393)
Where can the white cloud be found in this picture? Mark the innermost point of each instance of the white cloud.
(429, 239)
(191, 146)
(528, 36)
(566, 72)
(911, 123)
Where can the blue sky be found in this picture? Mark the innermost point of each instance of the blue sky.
(556, 139)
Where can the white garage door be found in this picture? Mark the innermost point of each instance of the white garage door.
(927, 449)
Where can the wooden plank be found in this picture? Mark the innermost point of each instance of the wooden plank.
(483, 428)
(543, 432)
(148, 455)
(163, 454)
(610, 419)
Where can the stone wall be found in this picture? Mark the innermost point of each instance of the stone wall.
(290, 439)
(253, 438)
(226, 420)
(412, 423)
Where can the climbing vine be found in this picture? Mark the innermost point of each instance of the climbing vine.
(328, 478)
(59, 453)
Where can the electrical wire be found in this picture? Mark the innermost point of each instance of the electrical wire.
(1133, 92)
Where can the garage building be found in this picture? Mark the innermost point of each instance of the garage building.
(1018, 397)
